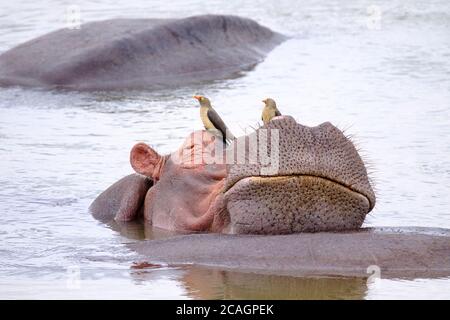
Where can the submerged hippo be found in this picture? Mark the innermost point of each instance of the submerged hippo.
(282, 178)
(318, 183)
(139, 53)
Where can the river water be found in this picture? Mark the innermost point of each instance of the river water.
(380, 69)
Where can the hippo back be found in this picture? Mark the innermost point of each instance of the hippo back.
(139, 53)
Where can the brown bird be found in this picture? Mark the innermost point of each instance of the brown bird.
(270, 110)
(212, 121)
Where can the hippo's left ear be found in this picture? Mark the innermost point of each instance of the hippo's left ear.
(146, 161)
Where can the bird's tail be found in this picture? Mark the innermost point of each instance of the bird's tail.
(229, 137)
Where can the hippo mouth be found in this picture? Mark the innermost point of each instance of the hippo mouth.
(286, 178)
(294, 203)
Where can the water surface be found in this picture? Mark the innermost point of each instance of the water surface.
(387, 83)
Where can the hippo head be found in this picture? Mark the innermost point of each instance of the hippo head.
(282, 178)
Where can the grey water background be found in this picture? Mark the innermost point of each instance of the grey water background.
(383, 77)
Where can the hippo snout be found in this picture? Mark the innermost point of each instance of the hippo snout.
(317, 181)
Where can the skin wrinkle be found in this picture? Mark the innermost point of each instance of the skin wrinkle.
(158, 168)
(205, 221)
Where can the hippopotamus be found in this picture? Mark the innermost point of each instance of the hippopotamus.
(139, 53)
(286, 199)
(282, 178)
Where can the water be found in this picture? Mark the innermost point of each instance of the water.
(387, 82)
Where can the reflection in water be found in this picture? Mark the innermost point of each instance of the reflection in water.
(198, 282)
(211, 283)
(217, 284)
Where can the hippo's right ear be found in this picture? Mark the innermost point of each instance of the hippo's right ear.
(145, 160)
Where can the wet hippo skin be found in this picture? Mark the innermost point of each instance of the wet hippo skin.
(139, 53)
(397, 252)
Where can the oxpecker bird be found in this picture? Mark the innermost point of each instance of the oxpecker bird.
(270, 110)
(212, 121)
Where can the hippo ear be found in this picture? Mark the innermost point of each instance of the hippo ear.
(144, 159)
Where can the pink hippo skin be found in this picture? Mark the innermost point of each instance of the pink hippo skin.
(185, 191)
(319, 183)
